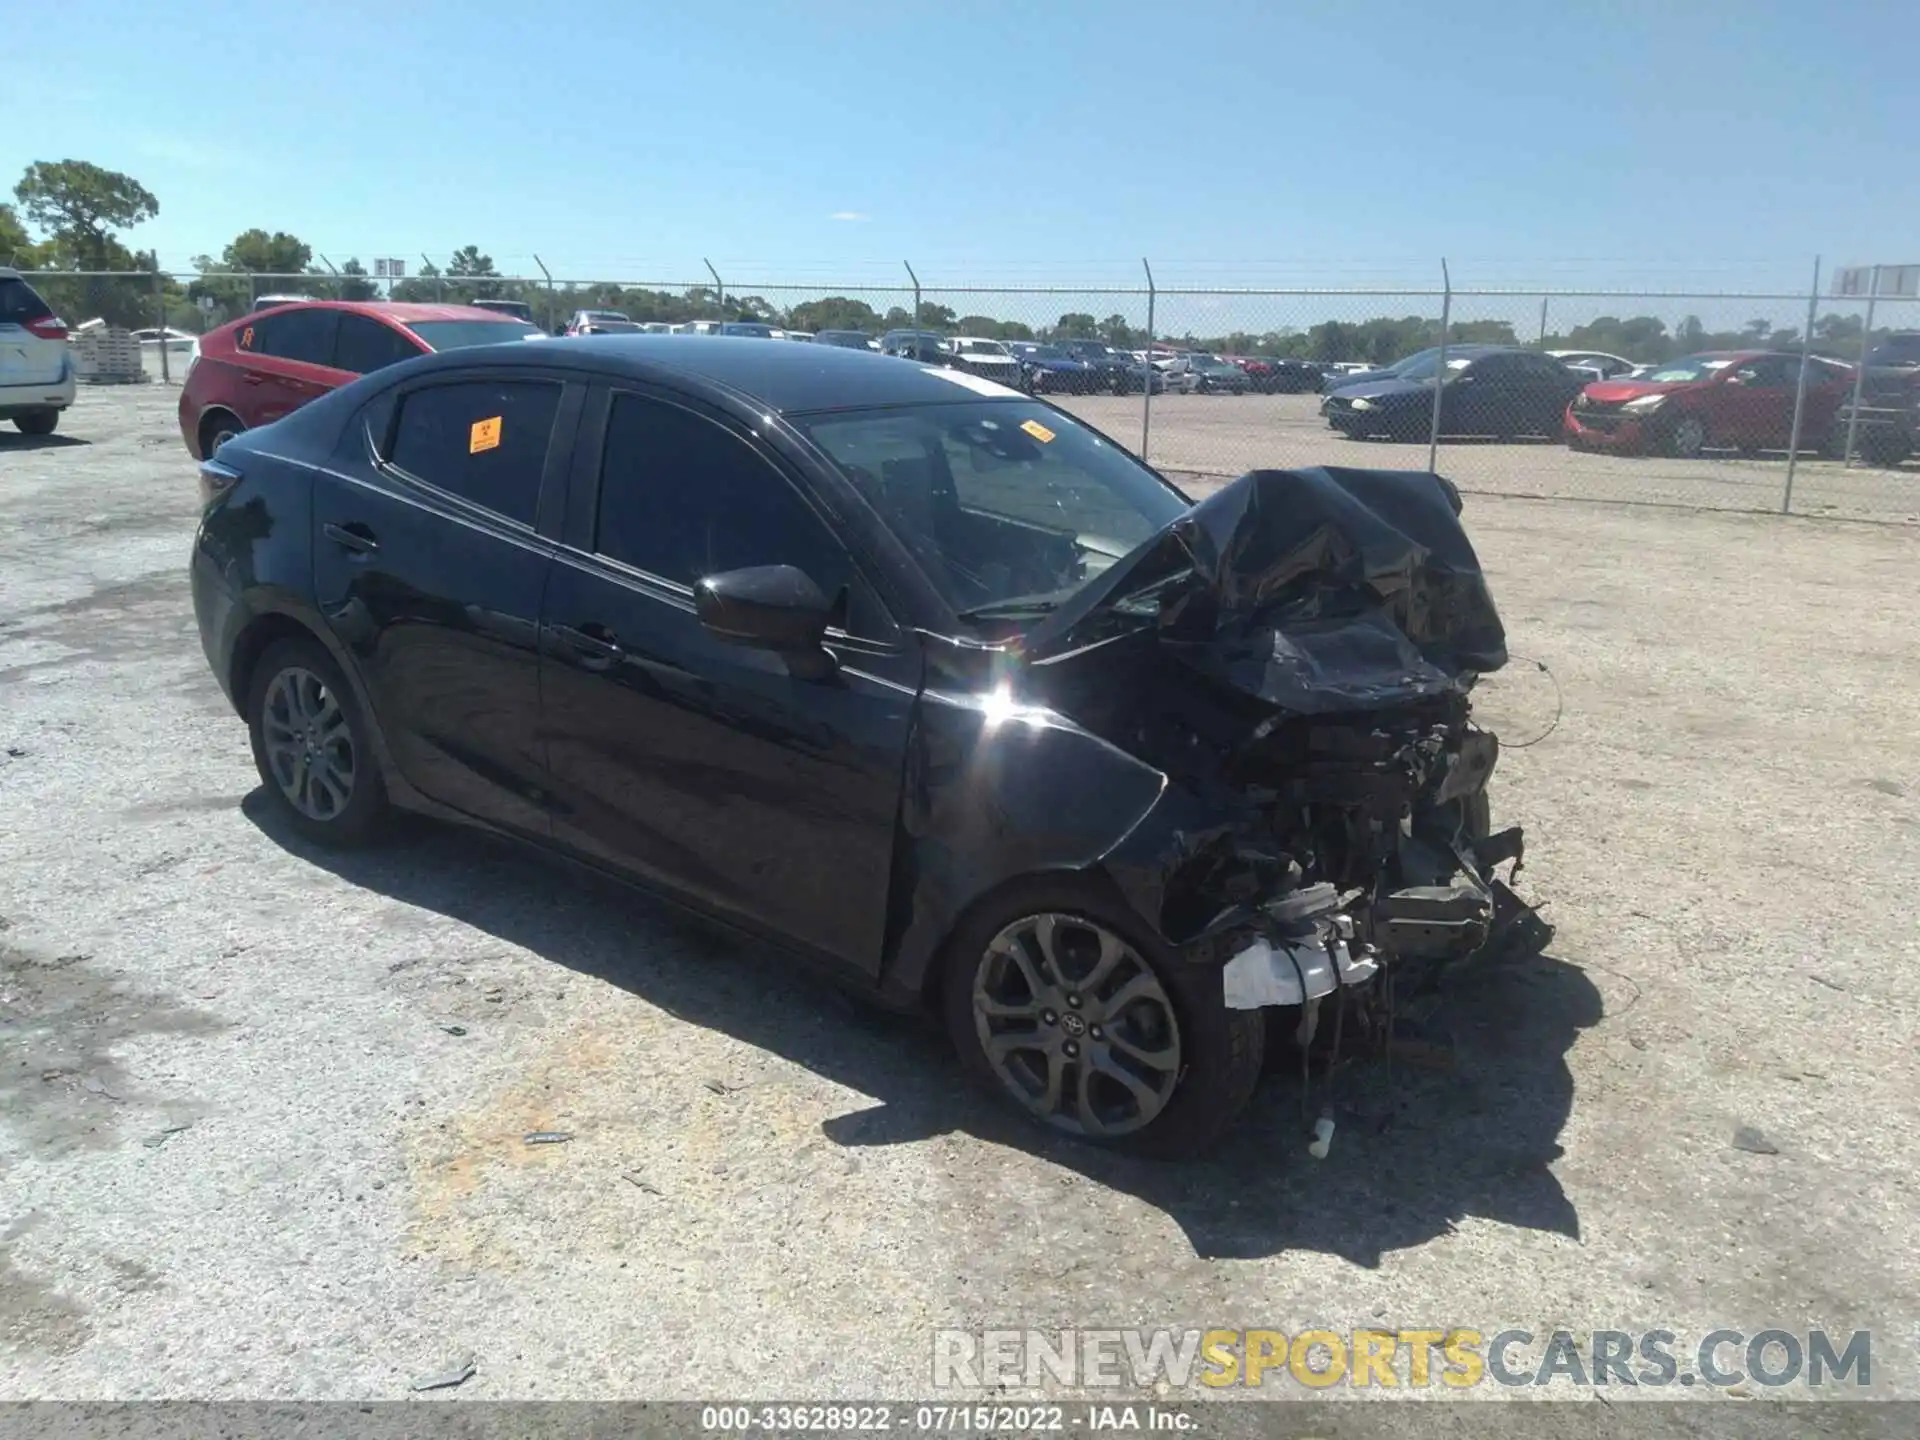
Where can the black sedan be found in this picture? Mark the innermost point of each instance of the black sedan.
(922, 680)
(1484, 390)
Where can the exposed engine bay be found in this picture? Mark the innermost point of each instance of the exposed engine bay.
(1298, 655)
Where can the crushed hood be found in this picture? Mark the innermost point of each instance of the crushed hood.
(1317, 590)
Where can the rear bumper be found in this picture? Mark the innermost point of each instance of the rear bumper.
(219, 614)
(27, 399)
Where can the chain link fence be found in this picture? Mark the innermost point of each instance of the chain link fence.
(1567, 395)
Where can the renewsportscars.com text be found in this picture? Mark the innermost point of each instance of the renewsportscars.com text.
(1457, 1358)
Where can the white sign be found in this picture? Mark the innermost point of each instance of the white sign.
(389, 269)
(1858, 280)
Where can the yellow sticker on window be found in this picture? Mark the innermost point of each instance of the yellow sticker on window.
(1037, 430)
(485, 435)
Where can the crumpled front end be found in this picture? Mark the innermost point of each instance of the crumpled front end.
(1297, 655)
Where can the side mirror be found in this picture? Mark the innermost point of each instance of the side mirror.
(769, 607)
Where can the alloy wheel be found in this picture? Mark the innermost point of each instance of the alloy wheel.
(1076, 1025)
(1689, 436)
(309, 744)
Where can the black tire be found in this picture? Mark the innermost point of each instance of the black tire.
(216, 428)
(365, 812)
(1883, 448)
(1221, 1051)
(1686, 437)
(37, 422)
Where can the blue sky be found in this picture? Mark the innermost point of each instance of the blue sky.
(1239, 142)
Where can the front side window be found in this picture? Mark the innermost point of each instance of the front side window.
(1000, 502)
(682, 497)
(364, 346)
(482, 440)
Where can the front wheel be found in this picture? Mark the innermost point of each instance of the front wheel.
(313, 747)
(37, 422)
(1080, 1019)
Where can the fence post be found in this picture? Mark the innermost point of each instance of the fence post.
(916, 292)
(160, 313)
(1440, 371)
(1800, 389)
(1146, 375)
(553, 301)
(1542, 341)
(439, 280)
(1860, 372)
(719, 284)
(253, 291)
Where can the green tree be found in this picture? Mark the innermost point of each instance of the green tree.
(16, 246)
(1076, 326)
(79, 205)
(1117, 332)
(258, 253)
(468, 275)
(935, 317)
(836, 312)
(1483, 332)
(353, 282)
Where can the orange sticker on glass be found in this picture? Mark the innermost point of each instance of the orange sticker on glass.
(1037, 430)
(246, 338)
(485, 435)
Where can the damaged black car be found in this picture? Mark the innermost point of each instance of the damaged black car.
(919, 678)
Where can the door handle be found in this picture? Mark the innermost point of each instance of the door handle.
(594, 646)
(355, 537)
(251, 379)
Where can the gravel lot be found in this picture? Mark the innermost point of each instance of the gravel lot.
(1227, 435)
(771, 1191)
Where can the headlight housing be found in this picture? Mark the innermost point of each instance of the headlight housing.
(1644, 404)
(1363, 404)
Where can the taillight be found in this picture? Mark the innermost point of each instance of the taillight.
(216, 480)
(48, 327)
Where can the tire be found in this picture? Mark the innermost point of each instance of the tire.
(1686, 436)
(37, 422)
(1883, 448)
(297, 691)
(216, 428)
(1212, 1055)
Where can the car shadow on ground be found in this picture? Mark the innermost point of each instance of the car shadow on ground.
(1417, 1149)
(12, 440)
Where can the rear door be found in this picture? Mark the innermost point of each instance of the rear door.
(26, 358)
(363, 345)
(285, 359)
(1755, 402)
(430, 559)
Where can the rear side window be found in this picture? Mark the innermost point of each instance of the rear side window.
(302, 335)
(683, 498)
(482, 440)
(365, 345)
(20, 303)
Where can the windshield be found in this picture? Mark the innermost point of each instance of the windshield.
(458, 334)
(1009, 506)
(1693, 367)
(980, 347)
(757, 332)
(1045, 352)
(1896, 350)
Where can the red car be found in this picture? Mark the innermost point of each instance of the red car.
(1738, 399)
(255, 369)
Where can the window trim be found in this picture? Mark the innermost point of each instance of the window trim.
(560, 444)
(578, 532)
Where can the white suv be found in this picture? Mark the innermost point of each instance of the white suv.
(36, 372)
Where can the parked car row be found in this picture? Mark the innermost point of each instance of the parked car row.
(1736, 399)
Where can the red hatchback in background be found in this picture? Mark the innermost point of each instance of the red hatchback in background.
(1732, 399)
(253, 370)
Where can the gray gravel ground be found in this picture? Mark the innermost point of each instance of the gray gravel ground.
(244, 1152)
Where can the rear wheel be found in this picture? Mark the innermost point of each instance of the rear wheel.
(313, 747)
(1073, 1013)
(216, 429)
(37, 422)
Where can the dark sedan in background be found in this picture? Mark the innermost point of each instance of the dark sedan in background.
(1113, 369)
(870, 659)
(1496, 391)
(1051, 370)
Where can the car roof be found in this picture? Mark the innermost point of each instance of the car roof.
(776, 375)
(405, 312)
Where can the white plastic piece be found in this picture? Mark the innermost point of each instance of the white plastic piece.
(1263, 975)
(1354, 969)
(1322, 1137)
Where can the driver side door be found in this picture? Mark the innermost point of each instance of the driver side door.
(703, 767)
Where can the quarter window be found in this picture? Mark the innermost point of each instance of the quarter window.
(482, 440)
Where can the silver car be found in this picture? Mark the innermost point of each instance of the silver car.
(36, 369)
